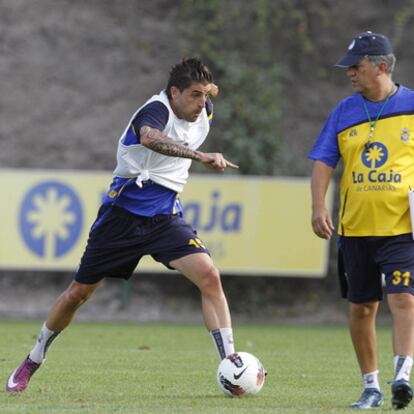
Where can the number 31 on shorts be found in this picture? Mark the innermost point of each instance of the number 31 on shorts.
(399, 278)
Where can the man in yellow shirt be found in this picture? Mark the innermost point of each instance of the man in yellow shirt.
(372, 131)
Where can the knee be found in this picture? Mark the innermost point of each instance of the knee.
(211, 281)
(363, 310)
(77, 294)
(401, 302)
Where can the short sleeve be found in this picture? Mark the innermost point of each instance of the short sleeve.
(154, 115)
(326, 147)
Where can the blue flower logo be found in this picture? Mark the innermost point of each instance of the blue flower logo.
(51, 219)
(376, 156)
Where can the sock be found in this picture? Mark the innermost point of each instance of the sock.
(371, 380)
(223, 341)
(45, 338)
(402, 367)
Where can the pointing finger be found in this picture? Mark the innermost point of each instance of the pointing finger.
(231, 165)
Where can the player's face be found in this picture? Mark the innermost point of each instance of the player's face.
(363, 76)
(189, 103)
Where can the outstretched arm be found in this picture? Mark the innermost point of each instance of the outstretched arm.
(157, 141)
(321, 220)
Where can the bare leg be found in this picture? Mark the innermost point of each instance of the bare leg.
(59, 318)
(200, 269)
(66, 305)
(363, 334)
(402, 310)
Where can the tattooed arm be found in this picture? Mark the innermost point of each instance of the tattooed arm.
(157, 141)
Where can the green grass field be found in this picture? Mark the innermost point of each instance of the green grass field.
(154, 368)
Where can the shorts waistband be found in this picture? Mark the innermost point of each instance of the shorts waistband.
(145, 219)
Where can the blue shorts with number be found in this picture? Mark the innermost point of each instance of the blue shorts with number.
(376, 264)
(119, 239)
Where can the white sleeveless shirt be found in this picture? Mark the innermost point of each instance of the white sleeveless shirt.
(171, 172)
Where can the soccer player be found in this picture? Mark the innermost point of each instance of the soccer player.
(372, 131)
(141, 213)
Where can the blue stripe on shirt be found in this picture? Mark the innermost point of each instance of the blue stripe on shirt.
(154, 115)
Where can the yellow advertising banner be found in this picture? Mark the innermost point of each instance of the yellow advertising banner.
(251, 225)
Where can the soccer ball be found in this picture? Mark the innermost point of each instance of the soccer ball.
(240, 374)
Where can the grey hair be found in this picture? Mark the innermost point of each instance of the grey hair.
(389, 60)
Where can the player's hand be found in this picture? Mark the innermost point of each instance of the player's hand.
(216, 161)
(322, 223)
(214, 90)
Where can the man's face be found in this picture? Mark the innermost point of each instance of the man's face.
(363, 76)
(189, 103)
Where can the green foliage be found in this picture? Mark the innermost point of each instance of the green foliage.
(248, 116)
(233, 38)
(402, 20)
(153, 369)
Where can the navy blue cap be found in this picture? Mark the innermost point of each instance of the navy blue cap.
(363, 45)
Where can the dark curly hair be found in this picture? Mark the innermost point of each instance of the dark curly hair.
(190, 70)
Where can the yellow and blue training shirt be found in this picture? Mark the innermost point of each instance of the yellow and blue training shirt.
(375, 181)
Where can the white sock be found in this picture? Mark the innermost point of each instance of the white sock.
(45, 338)
(371, 380)
(223, 341)
(402, 367)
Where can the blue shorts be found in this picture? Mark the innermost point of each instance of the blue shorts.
(376, 264)
(119, 239)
